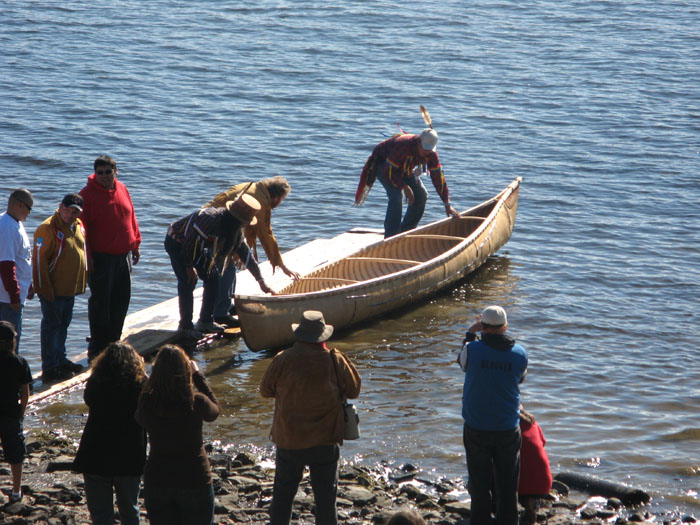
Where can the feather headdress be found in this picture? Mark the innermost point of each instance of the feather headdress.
(426, 116)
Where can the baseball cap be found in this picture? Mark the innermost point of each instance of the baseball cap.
(494, 315)
(73, 200)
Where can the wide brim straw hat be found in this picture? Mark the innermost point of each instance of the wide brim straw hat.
(312, 328)
(244, 208)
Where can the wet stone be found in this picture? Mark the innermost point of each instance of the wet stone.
(459, 507)
(614, 503)
(359, 495)
(606, 514)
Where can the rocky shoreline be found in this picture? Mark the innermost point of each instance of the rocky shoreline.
(54, 495)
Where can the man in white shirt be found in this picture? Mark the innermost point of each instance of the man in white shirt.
(15, 259)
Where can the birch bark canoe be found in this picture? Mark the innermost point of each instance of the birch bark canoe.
(383, 276)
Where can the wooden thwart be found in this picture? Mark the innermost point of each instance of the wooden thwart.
(384, 260)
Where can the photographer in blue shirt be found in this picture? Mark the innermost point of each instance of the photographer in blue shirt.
(494, 367)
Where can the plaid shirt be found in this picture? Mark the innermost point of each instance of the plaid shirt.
(200, 230)
(401, 154)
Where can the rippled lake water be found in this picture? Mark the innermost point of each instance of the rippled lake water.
(595, 104)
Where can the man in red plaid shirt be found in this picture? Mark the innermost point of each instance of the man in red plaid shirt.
(398, 162)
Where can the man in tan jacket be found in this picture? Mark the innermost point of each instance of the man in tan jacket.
(308, 381)
(269, 193)
(59, 274)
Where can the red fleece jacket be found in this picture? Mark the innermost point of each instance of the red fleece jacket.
(109, 219)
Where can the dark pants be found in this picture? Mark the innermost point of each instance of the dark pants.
(110, 293)
(289, 470)
(179, 506)
(185, 289)
(55, 320)
(227, 285)
(493, 460)
(393, 224)
(12, 439)
(7, 313)
(100, 499)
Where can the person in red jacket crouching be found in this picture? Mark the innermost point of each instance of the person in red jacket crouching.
(535, 473)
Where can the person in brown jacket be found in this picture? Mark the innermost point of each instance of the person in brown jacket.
(307, 381)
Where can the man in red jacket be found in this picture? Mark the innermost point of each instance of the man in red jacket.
(113, 240)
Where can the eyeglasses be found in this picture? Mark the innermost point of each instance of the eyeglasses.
(106, 171)
(26, 205)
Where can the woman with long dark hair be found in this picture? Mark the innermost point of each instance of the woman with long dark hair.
(112, 450)
(175, 401)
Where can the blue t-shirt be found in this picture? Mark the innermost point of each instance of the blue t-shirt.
(491, 396)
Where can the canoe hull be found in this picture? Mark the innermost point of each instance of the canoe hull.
(409, 268)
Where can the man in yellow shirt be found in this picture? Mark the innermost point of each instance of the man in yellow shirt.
(59, 274)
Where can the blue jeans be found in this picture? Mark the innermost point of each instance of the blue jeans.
(289, 470)
(393, 224)
(493, 460)
(227, 285)
(173, 506)
(185, 289)
(98, 492)
(56, 317)
(13, 316)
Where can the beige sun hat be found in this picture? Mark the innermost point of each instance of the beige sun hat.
(312, 328)
(244, 208)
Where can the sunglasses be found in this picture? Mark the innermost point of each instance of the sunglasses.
(106, 171)
(26, 205)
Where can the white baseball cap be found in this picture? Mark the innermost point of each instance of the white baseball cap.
(429, 139)
(494, 315)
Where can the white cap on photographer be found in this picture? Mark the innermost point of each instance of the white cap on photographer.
(494, 315)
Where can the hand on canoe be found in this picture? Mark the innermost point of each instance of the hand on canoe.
(289, 273)
(265, 288)
(451, 211)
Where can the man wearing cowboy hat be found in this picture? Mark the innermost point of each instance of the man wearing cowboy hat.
(199, 246)
(307, 382)
(398, 162)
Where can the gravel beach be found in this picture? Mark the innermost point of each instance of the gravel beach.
(54, 495)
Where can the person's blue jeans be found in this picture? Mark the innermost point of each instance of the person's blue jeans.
(289, 470)
(179, 506)
(493, 460)
(100, 502)
(393, 224)
(7, 313)
(55, 320)
(185, 289)
(227, 285)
